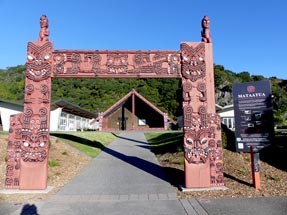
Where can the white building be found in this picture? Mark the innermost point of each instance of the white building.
(226, 114)
(65, 116)
(8, 108)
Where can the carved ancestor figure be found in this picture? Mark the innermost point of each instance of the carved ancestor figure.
(44, 31)
(205, 33)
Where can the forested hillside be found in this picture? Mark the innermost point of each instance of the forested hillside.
(97, 95)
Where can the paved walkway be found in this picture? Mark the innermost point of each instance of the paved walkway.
(127, 179)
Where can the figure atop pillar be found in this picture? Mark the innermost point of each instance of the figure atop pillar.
(44, 31)
(205, 33)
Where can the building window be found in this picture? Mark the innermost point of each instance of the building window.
(142, 121)
(229, 122)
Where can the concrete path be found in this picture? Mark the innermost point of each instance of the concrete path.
(244, 206)
(124, 179)
(127, 179)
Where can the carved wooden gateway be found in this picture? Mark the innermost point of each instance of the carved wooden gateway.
(28, 146)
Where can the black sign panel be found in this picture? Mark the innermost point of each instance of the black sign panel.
(253, 113)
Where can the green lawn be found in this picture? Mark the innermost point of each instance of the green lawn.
(90, 143)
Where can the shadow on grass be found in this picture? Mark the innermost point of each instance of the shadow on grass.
(167, 142)
(80, 140)
(129, 139)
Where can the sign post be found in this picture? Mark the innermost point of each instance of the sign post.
(254, 128)
(254, 152)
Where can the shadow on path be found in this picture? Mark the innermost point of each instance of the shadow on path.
(29, 210)
(149, 167)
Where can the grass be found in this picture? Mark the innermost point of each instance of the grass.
(90, 143)
(5, 133)
(162, 142)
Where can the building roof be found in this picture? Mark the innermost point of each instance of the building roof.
(65, 105)
(72, 108)
(10, 102)
(226, 108)
(120, 102)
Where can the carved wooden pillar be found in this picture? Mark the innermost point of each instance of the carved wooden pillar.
(165, 121)
(202, 135)
(36, 116)
(100, 117)
(133, 110)
(14, 152)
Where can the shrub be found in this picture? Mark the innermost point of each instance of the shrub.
(53, 163)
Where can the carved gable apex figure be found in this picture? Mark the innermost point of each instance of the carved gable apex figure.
(205, 33)
(44, 31)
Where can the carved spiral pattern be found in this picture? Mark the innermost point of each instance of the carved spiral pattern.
(44, 88)
(187, 86)
(202, 110)
(8, 181)
(188, 110)
(43, 111)
(201, 87)
(28, 112)
(29, 88)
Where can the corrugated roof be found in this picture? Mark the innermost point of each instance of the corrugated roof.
(67, 107)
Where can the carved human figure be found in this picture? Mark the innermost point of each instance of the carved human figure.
(44, 31)
(205, 33)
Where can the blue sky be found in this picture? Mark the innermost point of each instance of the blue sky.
(248, 35)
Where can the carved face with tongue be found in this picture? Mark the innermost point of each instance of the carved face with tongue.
(35, 141)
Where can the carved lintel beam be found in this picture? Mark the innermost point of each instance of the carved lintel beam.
(116, 64)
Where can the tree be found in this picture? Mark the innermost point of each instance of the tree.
(244, 77)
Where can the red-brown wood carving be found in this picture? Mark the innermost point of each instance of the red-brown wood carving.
(202, 134)
(27, 152)
(117, 64)
(14, 153)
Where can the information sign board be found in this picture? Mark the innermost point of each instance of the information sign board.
(253, 113)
